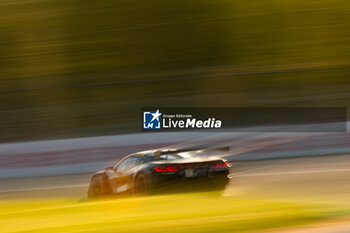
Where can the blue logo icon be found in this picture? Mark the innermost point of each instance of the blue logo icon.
(151, 120)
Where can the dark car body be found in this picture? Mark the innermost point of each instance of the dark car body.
(160, 170)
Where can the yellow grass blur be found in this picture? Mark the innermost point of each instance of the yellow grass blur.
(196, 212)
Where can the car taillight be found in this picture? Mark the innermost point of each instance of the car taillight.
(172, 168)
(160, 169)
(166, 169)
(222, 164)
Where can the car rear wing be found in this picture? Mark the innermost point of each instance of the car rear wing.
(205, 149)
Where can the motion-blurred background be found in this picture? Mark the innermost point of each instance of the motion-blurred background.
(74, 75)
(85, 68)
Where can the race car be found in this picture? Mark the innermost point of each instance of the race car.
(161, 170)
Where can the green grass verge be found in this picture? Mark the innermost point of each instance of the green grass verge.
(200, 212)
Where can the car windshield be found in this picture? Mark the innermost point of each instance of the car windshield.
(183, 155)
(169, 157)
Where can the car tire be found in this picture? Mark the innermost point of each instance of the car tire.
(141, 186)
(96, 188)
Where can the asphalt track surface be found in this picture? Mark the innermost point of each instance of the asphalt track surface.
(321, 178)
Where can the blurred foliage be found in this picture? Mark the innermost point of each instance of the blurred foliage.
(80, 68)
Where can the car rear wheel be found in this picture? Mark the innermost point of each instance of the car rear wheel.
(96, 187)
(141, 186)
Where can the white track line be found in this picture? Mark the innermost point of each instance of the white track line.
(289, 173)
(44, 188)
